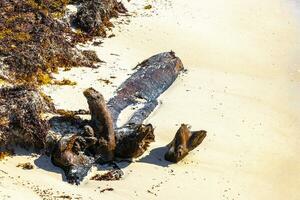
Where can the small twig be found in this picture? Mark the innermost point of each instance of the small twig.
(3, 171)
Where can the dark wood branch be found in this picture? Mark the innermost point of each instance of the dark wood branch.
(183, 142)
(102, 124)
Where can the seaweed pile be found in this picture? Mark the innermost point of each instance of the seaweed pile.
(93, 16)
(21, 121)
(35, 41)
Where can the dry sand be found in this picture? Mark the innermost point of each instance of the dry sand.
(242, 86)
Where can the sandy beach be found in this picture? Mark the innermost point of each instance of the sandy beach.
(241, 85)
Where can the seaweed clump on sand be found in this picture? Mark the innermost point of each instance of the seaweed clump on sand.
(34, 43)
(21, 122)
(93, 16)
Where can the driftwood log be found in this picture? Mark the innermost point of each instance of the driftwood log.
(102, 140)
(152, 78)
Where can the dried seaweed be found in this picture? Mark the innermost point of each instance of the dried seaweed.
(26, 165)
(113, 175)
(64, 82)
(93, 15)
(106, 189)
(4, 154)
(34, 44)
(21, 113)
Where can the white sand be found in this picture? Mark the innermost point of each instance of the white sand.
(242, 86)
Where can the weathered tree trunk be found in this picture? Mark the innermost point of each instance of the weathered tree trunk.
(154, 76)
(68, 154)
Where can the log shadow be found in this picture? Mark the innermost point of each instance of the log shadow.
(44, 162)
(156, 157)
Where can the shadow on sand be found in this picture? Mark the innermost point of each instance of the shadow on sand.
(44, 162)
(155, 157)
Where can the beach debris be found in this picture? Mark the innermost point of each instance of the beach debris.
(93, 15)
(72, 113)
(148, 7)
(64, 82)
(113, 175)
(68, 154)
(4, 154)
(97, 43)
(150, 192)
(132, 140)
(111, 36)
(21, 110)
(92, 56)
(106, 189)
(26, 165)
(63, 197)
(106, 81)
(51, 140)
(4, 172)
(152, 78)
(183, 142)
(101, 140)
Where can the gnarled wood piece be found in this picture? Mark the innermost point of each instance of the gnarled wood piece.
(102, 125)
(69, 155)
(133, 140)
(184, 142)
(129, 141)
